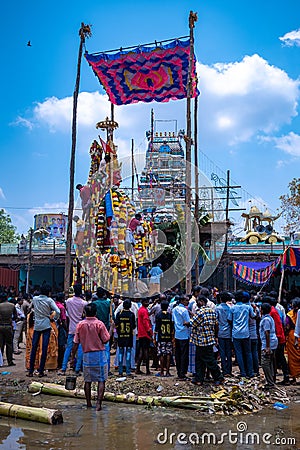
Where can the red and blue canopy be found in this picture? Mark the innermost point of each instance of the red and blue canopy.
(259, 273)
(255, 273)
(145, 74)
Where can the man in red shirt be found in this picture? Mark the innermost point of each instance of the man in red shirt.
(144, 337)
(86, 203)
(92, 334)
(134, 226)
(279, 360)
(135, 222)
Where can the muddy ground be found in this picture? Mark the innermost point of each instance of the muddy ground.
(14, 378)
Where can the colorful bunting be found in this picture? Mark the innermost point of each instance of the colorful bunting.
(145, 73)
(255, 273)
(259, 273)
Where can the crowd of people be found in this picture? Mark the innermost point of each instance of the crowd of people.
(203, 335)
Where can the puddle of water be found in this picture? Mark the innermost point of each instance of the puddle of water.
(129, 427)
(13, 440)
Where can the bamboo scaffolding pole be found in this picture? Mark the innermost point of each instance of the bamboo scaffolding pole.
(198, 403)
(196, 171)
(280, 285)
(281, 278)
(84, 32)
(43, 415)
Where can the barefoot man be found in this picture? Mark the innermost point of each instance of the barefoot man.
(92, 334)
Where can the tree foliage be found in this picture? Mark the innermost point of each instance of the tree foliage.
(8, 233)
(290, 205)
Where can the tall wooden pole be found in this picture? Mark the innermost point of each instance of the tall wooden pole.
(188, 139)
(151, 150)
(227, 208)
(152, 130)
(112, 117)
(84, 32)
(196, 266)
(281, 284)
(132, 169)
(112, 111)
(29, 261)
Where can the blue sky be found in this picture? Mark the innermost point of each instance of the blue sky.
(248, 64)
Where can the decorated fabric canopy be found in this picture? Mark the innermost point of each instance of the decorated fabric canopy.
(145, 73)
(291, 259)
(255, 273)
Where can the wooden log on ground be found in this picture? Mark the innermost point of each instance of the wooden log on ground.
(200, 403)
(42, 415)
(57, 389)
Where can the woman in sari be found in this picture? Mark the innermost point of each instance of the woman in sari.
(52, 353)
(293, 351)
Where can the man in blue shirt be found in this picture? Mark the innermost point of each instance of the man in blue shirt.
(45, 310)
(239, 316)
(224, 334)
(142, 272)
(155, 275)
(181, 320)
(269, 344)
(253, 337)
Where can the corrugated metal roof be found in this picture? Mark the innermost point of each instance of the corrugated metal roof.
(9, 277)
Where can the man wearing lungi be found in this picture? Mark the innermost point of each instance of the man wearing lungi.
(92, 334)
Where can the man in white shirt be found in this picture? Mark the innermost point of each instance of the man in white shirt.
(74, 306)
(45, 310)
(206, 293)
(155, 275)
(19, 326)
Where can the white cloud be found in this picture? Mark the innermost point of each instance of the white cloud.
(54, 208)
(291, 38)
(225, 122)
(25, 220)
(57, 113)
(280, 164)
(289, 143)
(23, 122)
(238, 101)
(241, 99)
(2, 193)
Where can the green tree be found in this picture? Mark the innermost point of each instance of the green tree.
(290, 205)
(8, 233)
